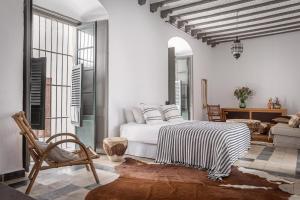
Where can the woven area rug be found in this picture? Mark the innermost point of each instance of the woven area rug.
(143, 181)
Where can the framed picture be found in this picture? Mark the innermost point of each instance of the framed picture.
(204, 93)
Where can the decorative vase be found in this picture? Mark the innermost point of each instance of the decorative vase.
(242, 103)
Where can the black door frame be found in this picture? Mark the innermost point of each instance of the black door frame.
(26, 73)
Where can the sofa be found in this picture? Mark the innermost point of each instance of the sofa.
(285, 136)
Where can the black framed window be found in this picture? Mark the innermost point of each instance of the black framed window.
(55, 40)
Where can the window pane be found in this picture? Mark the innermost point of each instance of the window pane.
(48, 59)
(64, 102)
(54, 36)
(59, 69)
(66, 70)
(53, 66)
(60, 32)
(59, 105)
(53, 101)
(65, 38)
(35, 32)
(42, 33)
(48, 34)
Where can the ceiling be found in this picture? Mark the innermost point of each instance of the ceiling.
(219, 21)
(82, 10)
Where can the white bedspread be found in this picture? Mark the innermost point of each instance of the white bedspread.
(143, 133)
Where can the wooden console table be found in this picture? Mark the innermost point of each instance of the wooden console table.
(261, 114)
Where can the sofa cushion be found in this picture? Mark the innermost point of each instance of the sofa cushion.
(284, 120)
(294, 121)
(285, 129)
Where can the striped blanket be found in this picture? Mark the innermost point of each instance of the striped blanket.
(210, 145)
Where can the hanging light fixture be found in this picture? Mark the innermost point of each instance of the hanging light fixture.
(237, 48)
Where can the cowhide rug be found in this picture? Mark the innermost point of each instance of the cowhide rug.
(141, 181)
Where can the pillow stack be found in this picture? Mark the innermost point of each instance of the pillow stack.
(152, 114)
(171, 113)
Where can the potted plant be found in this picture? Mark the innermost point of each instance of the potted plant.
(242, 94)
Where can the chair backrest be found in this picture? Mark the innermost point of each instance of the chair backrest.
(27, 132)
(214, 112)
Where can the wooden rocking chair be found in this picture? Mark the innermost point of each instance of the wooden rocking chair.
(83, 156)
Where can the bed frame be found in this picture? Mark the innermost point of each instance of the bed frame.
(141, 149)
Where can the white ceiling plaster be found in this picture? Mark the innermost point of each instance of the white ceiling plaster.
(82, 10)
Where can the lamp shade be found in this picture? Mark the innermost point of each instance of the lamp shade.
(236, 48)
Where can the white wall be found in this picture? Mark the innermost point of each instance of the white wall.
(269, 65)
(138, 59)
(11, 83)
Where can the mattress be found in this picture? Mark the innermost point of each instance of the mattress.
(144, 133)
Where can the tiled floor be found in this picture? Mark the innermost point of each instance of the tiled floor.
(75, 182)
(276, 161)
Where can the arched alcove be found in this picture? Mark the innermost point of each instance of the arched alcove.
(182, 47)
(180, 66)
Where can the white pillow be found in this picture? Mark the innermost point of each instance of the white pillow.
(162, 114)
(129, 115)
(294, 121)
(171, 113)
(138, 115)
(152, 114)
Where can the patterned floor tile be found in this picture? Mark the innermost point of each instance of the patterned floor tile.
(75, 182)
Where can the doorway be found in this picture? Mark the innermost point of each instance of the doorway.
(55, 45)
(180, 76)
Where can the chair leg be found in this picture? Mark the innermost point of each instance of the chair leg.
(87, 168)
(32, 171)
(94, 172)
(34, 175)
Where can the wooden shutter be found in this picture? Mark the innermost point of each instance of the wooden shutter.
(76, 95)
(171, 75)
(37, 92)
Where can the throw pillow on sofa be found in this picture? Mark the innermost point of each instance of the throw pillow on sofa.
(294, 121)
(283, 119)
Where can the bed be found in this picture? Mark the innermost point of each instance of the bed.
(214, 146)
(142, 138)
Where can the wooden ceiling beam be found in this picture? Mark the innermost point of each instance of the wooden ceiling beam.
(255, 34)
(154, 6)
(141, 2)
(212, 8)
(237, 10)
(239, 16)
(256, 20)
(249, 26)
(212, 37)
(252, 37)
(166, 12)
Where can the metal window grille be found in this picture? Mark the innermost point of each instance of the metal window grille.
(54, 40)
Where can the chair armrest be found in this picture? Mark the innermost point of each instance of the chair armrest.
(52, 145)
(62, 134)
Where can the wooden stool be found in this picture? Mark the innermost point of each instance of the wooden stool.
(115, 148)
